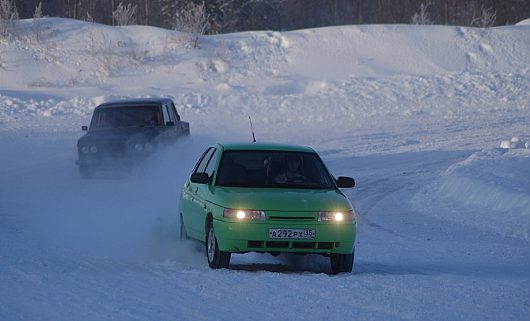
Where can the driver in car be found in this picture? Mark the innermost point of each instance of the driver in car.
(292, 168)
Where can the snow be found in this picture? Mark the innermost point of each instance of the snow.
(493, 181)
(523, 23)
(432, 121)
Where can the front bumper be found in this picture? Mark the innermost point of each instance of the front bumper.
(104, 162)
(253, 236)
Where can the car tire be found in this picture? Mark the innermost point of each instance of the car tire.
(217, 259)
(342, 262)
(183, 235)
(86, 172)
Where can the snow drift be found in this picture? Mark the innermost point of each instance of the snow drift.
(489, 190)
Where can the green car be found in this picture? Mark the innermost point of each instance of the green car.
(256, 197)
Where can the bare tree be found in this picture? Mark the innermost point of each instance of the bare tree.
(146, 9)
(89, 18)
(112, 8)
(37, 17)
(239, 15)
(485, 19)
(2, 62)
(8, 16)
(193, 20)
(125, 15)
(422, 17)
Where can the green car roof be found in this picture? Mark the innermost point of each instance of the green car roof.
(266, 146)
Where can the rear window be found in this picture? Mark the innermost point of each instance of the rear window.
(120, 116)
(273, 169)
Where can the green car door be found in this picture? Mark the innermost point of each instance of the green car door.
(194, 196)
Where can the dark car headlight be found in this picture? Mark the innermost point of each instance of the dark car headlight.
(141, 147)
(89, 149)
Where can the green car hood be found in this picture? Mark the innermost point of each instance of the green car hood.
(276, 199)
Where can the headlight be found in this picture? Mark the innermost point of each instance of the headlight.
(244, 214)
(138, 147)
(339, 216)
(148, 147)
(89, 149)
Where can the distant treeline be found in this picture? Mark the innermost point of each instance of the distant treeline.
(240, 15)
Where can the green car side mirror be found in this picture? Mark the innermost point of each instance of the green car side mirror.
(345, 182)
(200, 178)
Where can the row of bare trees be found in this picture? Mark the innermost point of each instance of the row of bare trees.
(238, 15)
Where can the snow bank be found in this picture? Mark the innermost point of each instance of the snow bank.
(350, 76)
(525, 22)
(490, 190)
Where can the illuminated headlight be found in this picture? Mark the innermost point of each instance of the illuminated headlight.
(244, 214)
(342, 216)
(93, 149)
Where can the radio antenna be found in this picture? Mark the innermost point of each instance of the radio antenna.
(252, 129)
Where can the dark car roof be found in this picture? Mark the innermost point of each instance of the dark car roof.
(135, 101)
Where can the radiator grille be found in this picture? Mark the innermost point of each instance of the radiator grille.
(292, 245)
(291, 218)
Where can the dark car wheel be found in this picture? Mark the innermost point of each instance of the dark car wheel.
(86, 172)
(342, 262)
(182, 235)
(217, 259)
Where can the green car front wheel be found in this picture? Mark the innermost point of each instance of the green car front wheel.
(341, 262)
(183, 235)
(217, 259)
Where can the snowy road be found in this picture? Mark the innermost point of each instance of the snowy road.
(107, 249)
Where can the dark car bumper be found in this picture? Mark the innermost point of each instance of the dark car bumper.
(106, 162)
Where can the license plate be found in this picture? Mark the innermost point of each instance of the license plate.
(288, 233)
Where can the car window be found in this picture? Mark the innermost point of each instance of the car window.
(210, 167)
(173, 112)
(201, 165)
(273, 169)
(126, 116)
(166, 114)
(169, 112)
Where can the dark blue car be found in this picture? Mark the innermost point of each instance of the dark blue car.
(123, 132)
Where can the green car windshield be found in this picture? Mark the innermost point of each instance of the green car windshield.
(257, 169)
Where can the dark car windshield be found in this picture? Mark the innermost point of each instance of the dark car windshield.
(273, 169)
(126, 116)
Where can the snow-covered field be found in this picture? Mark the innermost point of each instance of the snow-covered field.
(432, 121)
